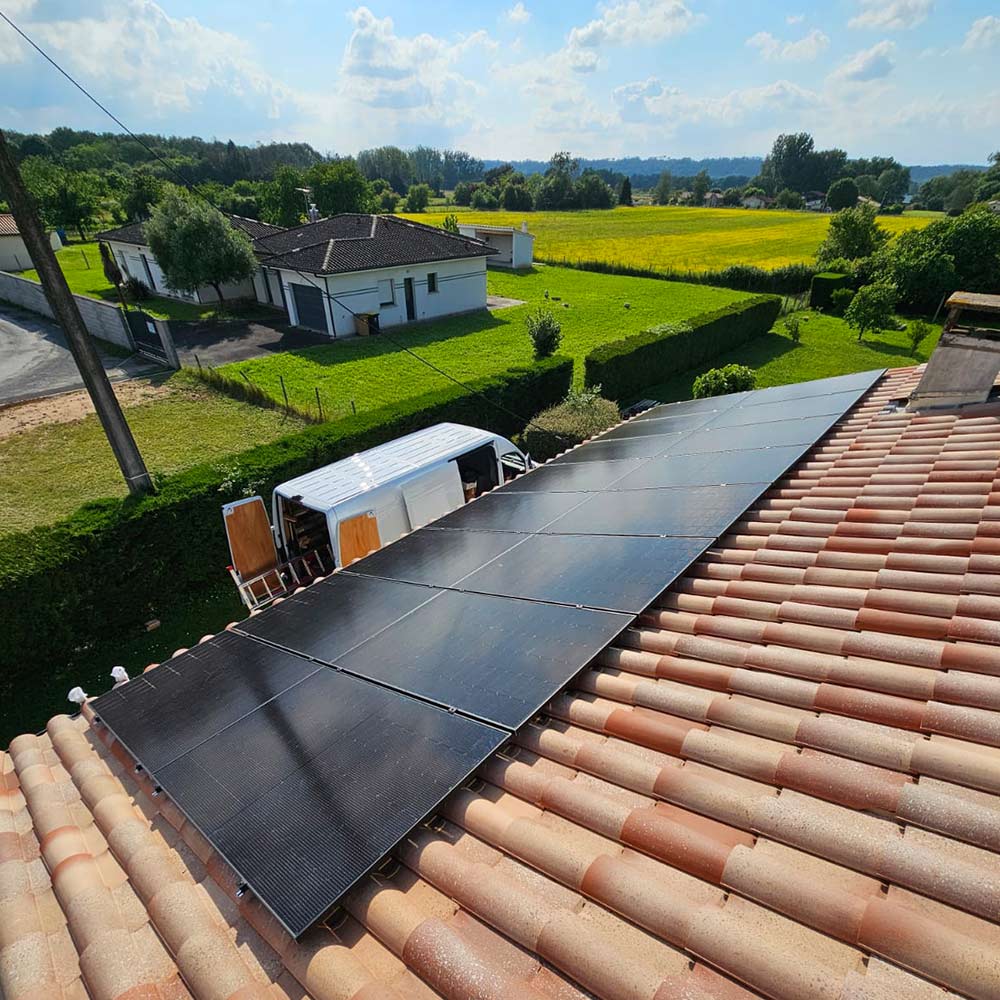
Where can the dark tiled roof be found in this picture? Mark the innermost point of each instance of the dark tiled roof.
(134, 231)
(784, 782)
(346, 243)
(8, 227)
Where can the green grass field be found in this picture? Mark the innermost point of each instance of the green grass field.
(49, 471)
(828, 347)
(694, 239)
(374, 371)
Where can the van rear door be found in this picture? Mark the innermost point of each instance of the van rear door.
(251, 543)
(433, 494)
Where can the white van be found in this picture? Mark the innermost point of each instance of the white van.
(339, 513)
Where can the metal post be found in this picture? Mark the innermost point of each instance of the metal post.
(319, 405)
(67, 315)
(284, 391)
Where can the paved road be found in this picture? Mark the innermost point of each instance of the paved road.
(222, 344)
(35, 359)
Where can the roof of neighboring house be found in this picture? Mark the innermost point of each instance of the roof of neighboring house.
(134, 232)
(784, 782)
(8, 227)
(351, 242)
(481, 228)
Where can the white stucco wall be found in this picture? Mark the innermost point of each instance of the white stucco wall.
(14, 254)
(134, 261)
(516, 247)
(461, 288)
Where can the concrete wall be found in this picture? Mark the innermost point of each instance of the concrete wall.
(101, 319)
(14, 254)
(516, 247)
(461, 288)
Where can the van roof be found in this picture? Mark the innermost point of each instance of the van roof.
(332, 484)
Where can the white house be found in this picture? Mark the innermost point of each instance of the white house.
(349, 273)
(714, 198)
(13, 252)
(136, 260)
(515, 247)
(754, 201)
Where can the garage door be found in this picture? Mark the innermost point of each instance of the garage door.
(309, 306)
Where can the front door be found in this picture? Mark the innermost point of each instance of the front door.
(411, 309)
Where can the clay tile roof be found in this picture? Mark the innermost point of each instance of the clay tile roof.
(8, 227)
(784, 782)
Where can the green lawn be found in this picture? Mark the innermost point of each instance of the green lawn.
(374, 371)
(828, 347)
(49, 471)
(81, 263)
(660, 237)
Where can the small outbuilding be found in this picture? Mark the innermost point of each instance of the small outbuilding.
(515, 248)
(13, 253)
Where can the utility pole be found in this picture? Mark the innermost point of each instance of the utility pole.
(67, 315)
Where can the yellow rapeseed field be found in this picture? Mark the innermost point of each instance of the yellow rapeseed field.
(695, 239)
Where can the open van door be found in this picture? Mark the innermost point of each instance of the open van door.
(252, 548)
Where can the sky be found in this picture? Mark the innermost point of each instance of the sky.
(916, 79)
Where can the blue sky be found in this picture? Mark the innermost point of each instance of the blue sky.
(918, 79)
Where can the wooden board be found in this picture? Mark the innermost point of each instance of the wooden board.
(358, 536)
(251, 543)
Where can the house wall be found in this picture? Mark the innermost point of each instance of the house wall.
(516, 248)
(139, 262)
(524, 249)
(14, 254)
(461, 288)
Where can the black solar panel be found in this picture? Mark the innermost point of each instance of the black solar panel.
(492, 657)
(308, 742)
(308, 792)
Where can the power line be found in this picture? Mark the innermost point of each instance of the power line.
(322, 289)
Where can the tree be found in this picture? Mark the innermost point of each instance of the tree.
(142, 191)
(893, 183)
(842, 194)
(731, 197)
(867, 185)
(195, 245)
(485, 199)
(462, 195)
(988, 186)
(661, 193)
(562, 163)
(853, 234)
(389, 162)
(496, 175)
(282, 203)
(961, 197)
(790, 199)
(417, 198)
(593, 192)
(625, 192)
(65, 199)
(426, 164)
(517, 198)
(700, 186)
(973, 240)
(557, 191)
(339, 187)
(872, 308)
(921, 270)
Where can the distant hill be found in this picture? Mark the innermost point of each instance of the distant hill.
(920, 174)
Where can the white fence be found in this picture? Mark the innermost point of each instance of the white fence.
(102, 319)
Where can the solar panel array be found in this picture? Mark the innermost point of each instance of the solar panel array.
(308, 742)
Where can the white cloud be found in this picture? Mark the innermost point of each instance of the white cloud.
(518, 14)
(795, 18)
(983, 33)
(635, 21)
(891, 15)
(805, 49)
(866, 65)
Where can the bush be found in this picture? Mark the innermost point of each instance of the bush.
(114, 564)
(917, 333)
(842, 194)
(518, 198)
(388, 200)
(793, 327)
(579, 416)
(823, 286)
(840, 299)
(853, 233)
(462, 195)
(790, 199)
(545, 332)
(137, 289)
(417, 197)
(724, 380)
(894, 209)
(626, 367)
(485, 198)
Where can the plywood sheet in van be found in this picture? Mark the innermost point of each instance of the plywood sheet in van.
(358, 536)
(251, 543)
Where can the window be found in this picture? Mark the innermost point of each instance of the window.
(385, 294)
(432, 281)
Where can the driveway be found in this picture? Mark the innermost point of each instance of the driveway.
(219, 344)
(35, 359)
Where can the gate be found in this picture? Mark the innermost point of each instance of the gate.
(152, 338)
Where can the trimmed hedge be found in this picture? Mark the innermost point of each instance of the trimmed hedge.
(623, 368)
(106, 570)
(824, 285)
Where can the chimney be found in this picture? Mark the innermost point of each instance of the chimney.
(524, 226)
(313, 212)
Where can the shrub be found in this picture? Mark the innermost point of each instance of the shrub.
(626, 367)
(581, 415)
(417, 197)
(485, 198)
(462, 195)
(842, 194)
(823, 286)
(518, 198)
(917, 333)
(790, 199)
(98, 575)
(450, 223)
(545, 332)
(872, 309)
(840, 299)
(137, 289)
(388, 200)
(724, 380)
(894, 209)
(853, 233)
(793, 327)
